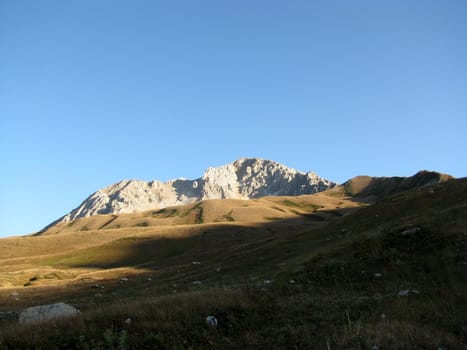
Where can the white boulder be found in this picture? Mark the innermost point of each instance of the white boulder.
(48, 312)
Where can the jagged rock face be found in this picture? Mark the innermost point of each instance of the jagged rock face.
(243, 179)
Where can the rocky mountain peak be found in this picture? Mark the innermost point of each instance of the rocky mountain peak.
(244, 178)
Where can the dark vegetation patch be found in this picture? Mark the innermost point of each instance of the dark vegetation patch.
(165, 213)
(229, 217)
(300, 205)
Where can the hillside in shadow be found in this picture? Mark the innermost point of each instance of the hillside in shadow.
(390, 274)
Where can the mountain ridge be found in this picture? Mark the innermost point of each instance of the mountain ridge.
(245, 178)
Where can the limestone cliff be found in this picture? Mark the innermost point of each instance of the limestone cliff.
(245, 178)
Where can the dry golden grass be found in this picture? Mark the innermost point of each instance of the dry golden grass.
(214, 258)
(103, 248)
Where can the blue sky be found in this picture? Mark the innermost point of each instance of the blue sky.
(93, 92)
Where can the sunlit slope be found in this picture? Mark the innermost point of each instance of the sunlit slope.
(174, 236)
(215, 211)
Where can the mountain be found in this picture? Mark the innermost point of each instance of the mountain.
(245, 178)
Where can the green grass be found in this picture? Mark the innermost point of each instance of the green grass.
(301, 205)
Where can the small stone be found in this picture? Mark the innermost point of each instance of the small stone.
(14, 294)
(197, 283)
(196, 263)
(128, 321)
(123, 279)
(211, 321)
(219, 269)
(383, 316)
(292, 281)
(377, 275)
(149, 279)
(375, 347)
(407, 292)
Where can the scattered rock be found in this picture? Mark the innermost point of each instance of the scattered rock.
(123, 279)
(97, 286)
(292, 281)
(128, 321)
(149, 279)
(219, 269)
(264, 283)
(196, 263)
(211, 321)
(197, 283)
(383, 316)
(407, 292)
(377, 275)
(46, 313)
(14, 294)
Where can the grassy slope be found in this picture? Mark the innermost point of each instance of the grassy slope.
(337, 298)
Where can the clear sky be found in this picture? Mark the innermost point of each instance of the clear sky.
(96, 91)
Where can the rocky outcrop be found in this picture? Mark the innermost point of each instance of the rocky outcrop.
(245, 178)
